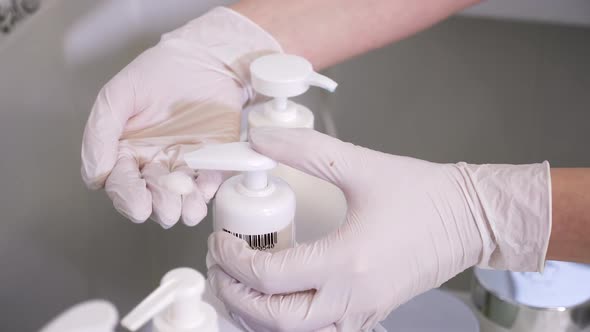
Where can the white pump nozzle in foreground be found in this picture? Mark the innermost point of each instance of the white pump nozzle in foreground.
(175, 306)
(237, 156)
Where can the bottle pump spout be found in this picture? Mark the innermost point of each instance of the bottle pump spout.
(323, 82)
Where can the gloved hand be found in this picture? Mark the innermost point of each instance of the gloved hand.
(411, 225)
(186, 91)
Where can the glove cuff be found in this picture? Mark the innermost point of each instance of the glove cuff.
(513, 213)
(231, 38)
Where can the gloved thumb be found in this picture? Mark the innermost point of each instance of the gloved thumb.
(307, 150)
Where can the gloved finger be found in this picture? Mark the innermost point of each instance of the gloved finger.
(113, 107)
(166, 204)
(127, 189)
(209, 181)
(291, 270)
(194, 208)
(307, 150)
(301, 311)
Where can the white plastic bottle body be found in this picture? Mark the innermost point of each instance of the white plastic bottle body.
(264, 219)
(321, 206)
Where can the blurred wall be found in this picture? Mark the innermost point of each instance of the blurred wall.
(474, 90)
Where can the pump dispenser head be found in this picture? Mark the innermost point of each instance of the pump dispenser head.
(282, 76)
(237, 156)
(175, 306)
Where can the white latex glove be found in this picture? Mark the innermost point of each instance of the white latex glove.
(186, 91)
(411, 225)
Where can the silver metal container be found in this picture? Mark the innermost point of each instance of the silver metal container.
(498, 306)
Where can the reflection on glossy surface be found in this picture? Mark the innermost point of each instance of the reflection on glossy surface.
(499, 296)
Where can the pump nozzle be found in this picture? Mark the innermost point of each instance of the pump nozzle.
(322, 81)
(177, 303)
(283, 76)
(237, 156)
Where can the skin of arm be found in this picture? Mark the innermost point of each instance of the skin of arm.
(570, 229)
(327, 32)
(330, 31)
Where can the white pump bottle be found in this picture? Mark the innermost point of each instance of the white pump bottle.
(321, 206)
(176, 306)
(253, 206)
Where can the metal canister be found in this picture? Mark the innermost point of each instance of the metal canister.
(495, 301)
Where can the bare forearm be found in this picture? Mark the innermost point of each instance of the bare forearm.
(330, 31)
(570, 234)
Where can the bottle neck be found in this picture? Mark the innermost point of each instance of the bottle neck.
(280, 104)
(281, 110)
(255, 180)
(255, 184)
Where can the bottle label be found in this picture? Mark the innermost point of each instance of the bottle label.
(259, 241)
